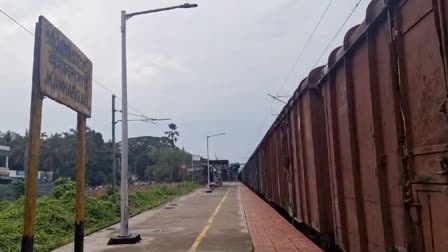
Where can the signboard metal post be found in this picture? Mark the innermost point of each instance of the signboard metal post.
(33, 149)
(80, 183)
(64, 74)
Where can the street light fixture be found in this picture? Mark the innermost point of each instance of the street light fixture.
(125, 237)
(208, 162)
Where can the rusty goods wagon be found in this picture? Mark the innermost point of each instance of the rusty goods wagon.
(360, 152)
(308, 163)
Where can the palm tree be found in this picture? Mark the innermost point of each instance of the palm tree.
(8, 137)
(17, 143)
(18, 152)
(172, 134)
(53, 153)
(43, 135)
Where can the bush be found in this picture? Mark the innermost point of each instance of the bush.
(19, 187)
(64, 187)
(56, 213)
(110, 190)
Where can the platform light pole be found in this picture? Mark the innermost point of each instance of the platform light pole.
(124, 236)
(208, 162)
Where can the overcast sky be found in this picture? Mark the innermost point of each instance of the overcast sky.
(208, 68)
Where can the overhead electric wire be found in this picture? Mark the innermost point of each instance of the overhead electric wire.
(276, 98)
(17, 23)
(337, 33)
(110, 91)
(298, 58)
(95, 81)
(309, 41)
(105, 88)
(145, 118)
(302, 51)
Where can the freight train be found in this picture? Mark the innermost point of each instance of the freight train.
(359, 154)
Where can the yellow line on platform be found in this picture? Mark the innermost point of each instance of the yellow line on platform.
(204, 231)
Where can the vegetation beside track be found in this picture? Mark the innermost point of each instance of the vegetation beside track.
(55, 213)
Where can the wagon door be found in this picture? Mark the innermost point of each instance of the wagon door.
(433, 202)
(287, 162)
(421, 34)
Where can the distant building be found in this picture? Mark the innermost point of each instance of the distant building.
(7, 175)
(16, 173)
(230, 173)
(196, 172)
(220, 170)
(4, 161)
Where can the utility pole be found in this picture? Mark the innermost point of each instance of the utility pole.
(114, 148)
(114, 162)
(208, 170)
(192, 168)
(135, 168)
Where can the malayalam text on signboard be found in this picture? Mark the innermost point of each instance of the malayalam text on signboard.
(65, 72)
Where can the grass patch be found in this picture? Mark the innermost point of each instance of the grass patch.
(56, 213)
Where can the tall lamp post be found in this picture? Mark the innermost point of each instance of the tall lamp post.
(208, 162)
(125, 237)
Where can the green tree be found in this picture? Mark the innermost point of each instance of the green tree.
(139, 147)
(167, 162)
(18, 152)
(17, 143)
(99, 159)
(172, 134)
(53, 152)
(58, 154)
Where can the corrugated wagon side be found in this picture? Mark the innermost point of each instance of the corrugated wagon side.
(421, 38)
(311, 173)
(384, 91)
(360, 152)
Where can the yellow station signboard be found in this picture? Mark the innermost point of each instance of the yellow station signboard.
(65, 72)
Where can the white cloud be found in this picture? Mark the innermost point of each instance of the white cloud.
(208, 68)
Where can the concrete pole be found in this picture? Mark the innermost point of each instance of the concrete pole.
(208, 168)
(7, 162)
(114, 162)
(124, 237)
(124, 227)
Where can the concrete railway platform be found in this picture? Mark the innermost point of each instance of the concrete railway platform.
(269, 231)
(232, 218)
